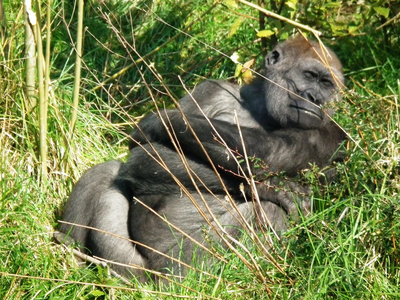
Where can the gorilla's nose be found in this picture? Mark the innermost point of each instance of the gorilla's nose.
(312, 96)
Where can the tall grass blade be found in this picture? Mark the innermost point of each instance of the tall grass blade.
(43, 103)
(78, 63)
(30, 56)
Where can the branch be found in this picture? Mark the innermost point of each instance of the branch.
(276, 16)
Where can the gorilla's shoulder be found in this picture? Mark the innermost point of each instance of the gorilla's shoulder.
(212, 95)
(213, 86)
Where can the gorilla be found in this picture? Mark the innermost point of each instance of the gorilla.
(206, 169)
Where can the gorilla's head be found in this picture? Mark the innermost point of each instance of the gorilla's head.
(304, 77)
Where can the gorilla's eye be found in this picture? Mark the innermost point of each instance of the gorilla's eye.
(327, 82)
(310, 75)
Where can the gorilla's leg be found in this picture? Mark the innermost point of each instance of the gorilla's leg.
(81, 203)
(103, 199)
(97, 203)
(177, 198)
(111, 216)
(192, 215)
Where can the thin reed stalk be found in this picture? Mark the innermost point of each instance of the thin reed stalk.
(43, 103)
(78, 63)
(30, 60)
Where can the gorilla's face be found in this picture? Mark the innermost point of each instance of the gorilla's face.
(303, 83)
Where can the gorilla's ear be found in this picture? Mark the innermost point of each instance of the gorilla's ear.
(273, 58)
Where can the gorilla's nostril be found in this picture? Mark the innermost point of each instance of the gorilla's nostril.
(311, 96)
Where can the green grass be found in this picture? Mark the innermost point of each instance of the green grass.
(348, 249)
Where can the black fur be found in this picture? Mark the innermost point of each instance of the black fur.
(282, 124)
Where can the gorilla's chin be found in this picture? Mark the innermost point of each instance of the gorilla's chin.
(308, 117)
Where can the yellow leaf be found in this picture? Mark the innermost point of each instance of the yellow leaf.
(248, 64)
(265, 33)
(247, 76)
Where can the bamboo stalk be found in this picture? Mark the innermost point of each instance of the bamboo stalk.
(78, 62)
(3, 32)
(47, 59)
(30, 59)
(43, 104)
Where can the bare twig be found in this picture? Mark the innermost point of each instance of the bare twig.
(141, 59)
(389, 21)
(276, 16)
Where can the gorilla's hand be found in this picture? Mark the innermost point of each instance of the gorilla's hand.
(291, 196)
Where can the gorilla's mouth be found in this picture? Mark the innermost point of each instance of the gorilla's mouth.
(308, 108)
(301, 103)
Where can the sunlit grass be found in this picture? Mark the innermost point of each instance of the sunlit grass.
(348, 249)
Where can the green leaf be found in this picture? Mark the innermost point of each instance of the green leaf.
(231, 3)
(332, 5)
(97, 293)
(235, 26)
(291, 4)
(238, 70)
(352, 29)
(265, 33)
(338, 29)
(383, 11)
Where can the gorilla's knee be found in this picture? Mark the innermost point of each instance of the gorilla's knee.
(97, 203)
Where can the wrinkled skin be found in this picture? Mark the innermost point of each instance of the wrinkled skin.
(281, 122)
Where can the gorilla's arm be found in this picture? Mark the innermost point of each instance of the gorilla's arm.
(276, 148)
(155, 167)
(147, 168)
